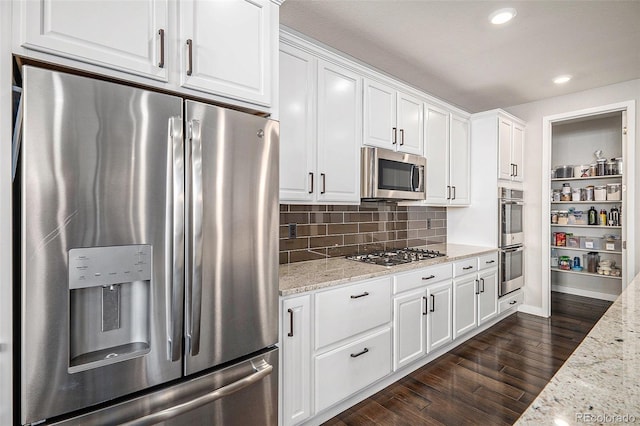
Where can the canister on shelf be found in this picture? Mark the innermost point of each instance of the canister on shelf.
(554, 216)
(589, 193)
(602, 166)
(563, 217)
(575, 194)
(593, 169)
(556, 195)
(600, 193)
(614, 191)
(590, 261)
(611, 167)
(618, 161)
(564, 262)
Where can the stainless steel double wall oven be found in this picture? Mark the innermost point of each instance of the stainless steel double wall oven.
(511, 212)
(149, 257)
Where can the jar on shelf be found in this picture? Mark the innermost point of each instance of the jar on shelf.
(590, 261)
(588, 193)
(564, 262)
(576, 194)
(593, 169)
(602, 166)
(600, 193)
(611, 168)
(618, 161)
(614, 191)
(556, 195)
(563, 217)
(554, 216)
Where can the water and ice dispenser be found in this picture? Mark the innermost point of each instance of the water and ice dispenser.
(109, 303)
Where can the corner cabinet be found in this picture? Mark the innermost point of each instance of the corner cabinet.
(129, 37)
(448, 153)
(392, 119)
(226, 47)
(320, 129)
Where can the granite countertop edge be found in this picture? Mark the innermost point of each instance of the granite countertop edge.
(303, 277)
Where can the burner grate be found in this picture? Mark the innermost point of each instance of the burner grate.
(396, 257)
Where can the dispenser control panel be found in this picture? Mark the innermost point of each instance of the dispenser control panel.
(102, 266)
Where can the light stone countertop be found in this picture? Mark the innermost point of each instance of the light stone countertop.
(311, 275)
(600, 382)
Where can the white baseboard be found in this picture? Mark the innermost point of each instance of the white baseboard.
(585, 293)
(533, 310)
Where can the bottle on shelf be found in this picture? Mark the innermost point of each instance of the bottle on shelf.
(592, 216)
(603, 217)
(614, 217)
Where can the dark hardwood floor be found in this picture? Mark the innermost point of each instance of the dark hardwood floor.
(491, 378)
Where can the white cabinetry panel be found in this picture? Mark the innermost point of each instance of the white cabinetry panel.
(410, 335)
(437, 153)
(440, 319)
(121, 35)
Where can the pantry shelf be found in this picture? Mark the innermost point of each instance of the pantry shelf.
(584, 273)
(588, 202)
(586, 178)
(586, 249)
(585, 226)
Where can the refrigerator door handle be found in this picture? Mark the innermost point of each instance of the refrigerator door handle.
(261, 371)
(177, 241)
(194, 304)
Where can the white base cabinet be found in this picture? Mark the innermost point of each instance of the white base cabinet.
(341, 341)
(296, 358)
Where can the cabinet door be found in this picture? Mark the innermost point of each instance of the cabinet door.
(339, 133)
(437, 153)
(505, 169)
(124, 36)
(460, 152)
(297, 125)
(464, 305)
(517, 152)
(488, 295)
(296, 359)
(410, 124)
(409, 333)
(226, 48)
(379, 115)
(439, 321)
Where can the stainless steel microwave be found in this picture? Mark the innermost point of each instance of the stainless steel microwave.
(389, 175)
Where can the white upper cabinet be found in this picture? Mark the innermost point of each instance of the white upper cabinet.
(226, 47)
(225, 50)
(297, 124)
(339, 133)
(392, 119)
(320, 129)
(447, 149)
(510, 149)
(129, 36)
(460, 157)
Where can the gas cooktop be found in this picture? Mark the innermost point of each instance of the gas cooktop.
(396, 256)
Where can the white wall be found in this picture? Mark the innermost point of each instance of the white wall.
(533, 113)
(6, 346)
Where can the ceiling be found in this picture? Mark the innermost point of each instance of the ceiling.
(451, 51)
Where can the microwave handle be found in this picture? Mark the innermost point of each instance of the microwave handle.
(420, 177)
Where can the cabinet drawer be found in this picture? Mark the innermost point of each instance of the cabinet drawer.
(488, 261)
(421, 277)
(510, 301)
(348, 369)
(347, 311)
(465, 266)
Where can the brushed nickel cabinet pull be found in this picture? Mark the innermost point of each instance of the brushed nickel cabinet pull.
(364, 351)
(429, 277)
(357, 296)
(189, 56)
(290, 334)
(311, 186)
(161, 34)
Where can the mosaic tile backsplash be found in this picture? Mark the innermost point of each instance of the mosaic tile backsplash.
(329, 231)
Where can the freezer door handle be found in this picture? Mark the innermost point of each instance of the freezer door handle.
(194, 301)
(176, 288)
(261, 371)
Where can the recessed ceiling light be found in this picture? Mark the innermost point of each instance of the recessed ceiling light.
(561, 79)
(502, 16)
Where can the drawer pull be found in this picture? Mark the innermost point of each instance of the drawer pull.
(513, 302)
(429, 277)
(357, 296)
(364, 351)
(490, 261)
(467, 267)
(290, 334)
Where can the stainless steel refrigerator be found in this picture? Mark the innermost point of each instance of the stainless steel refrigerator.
(148, 249)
